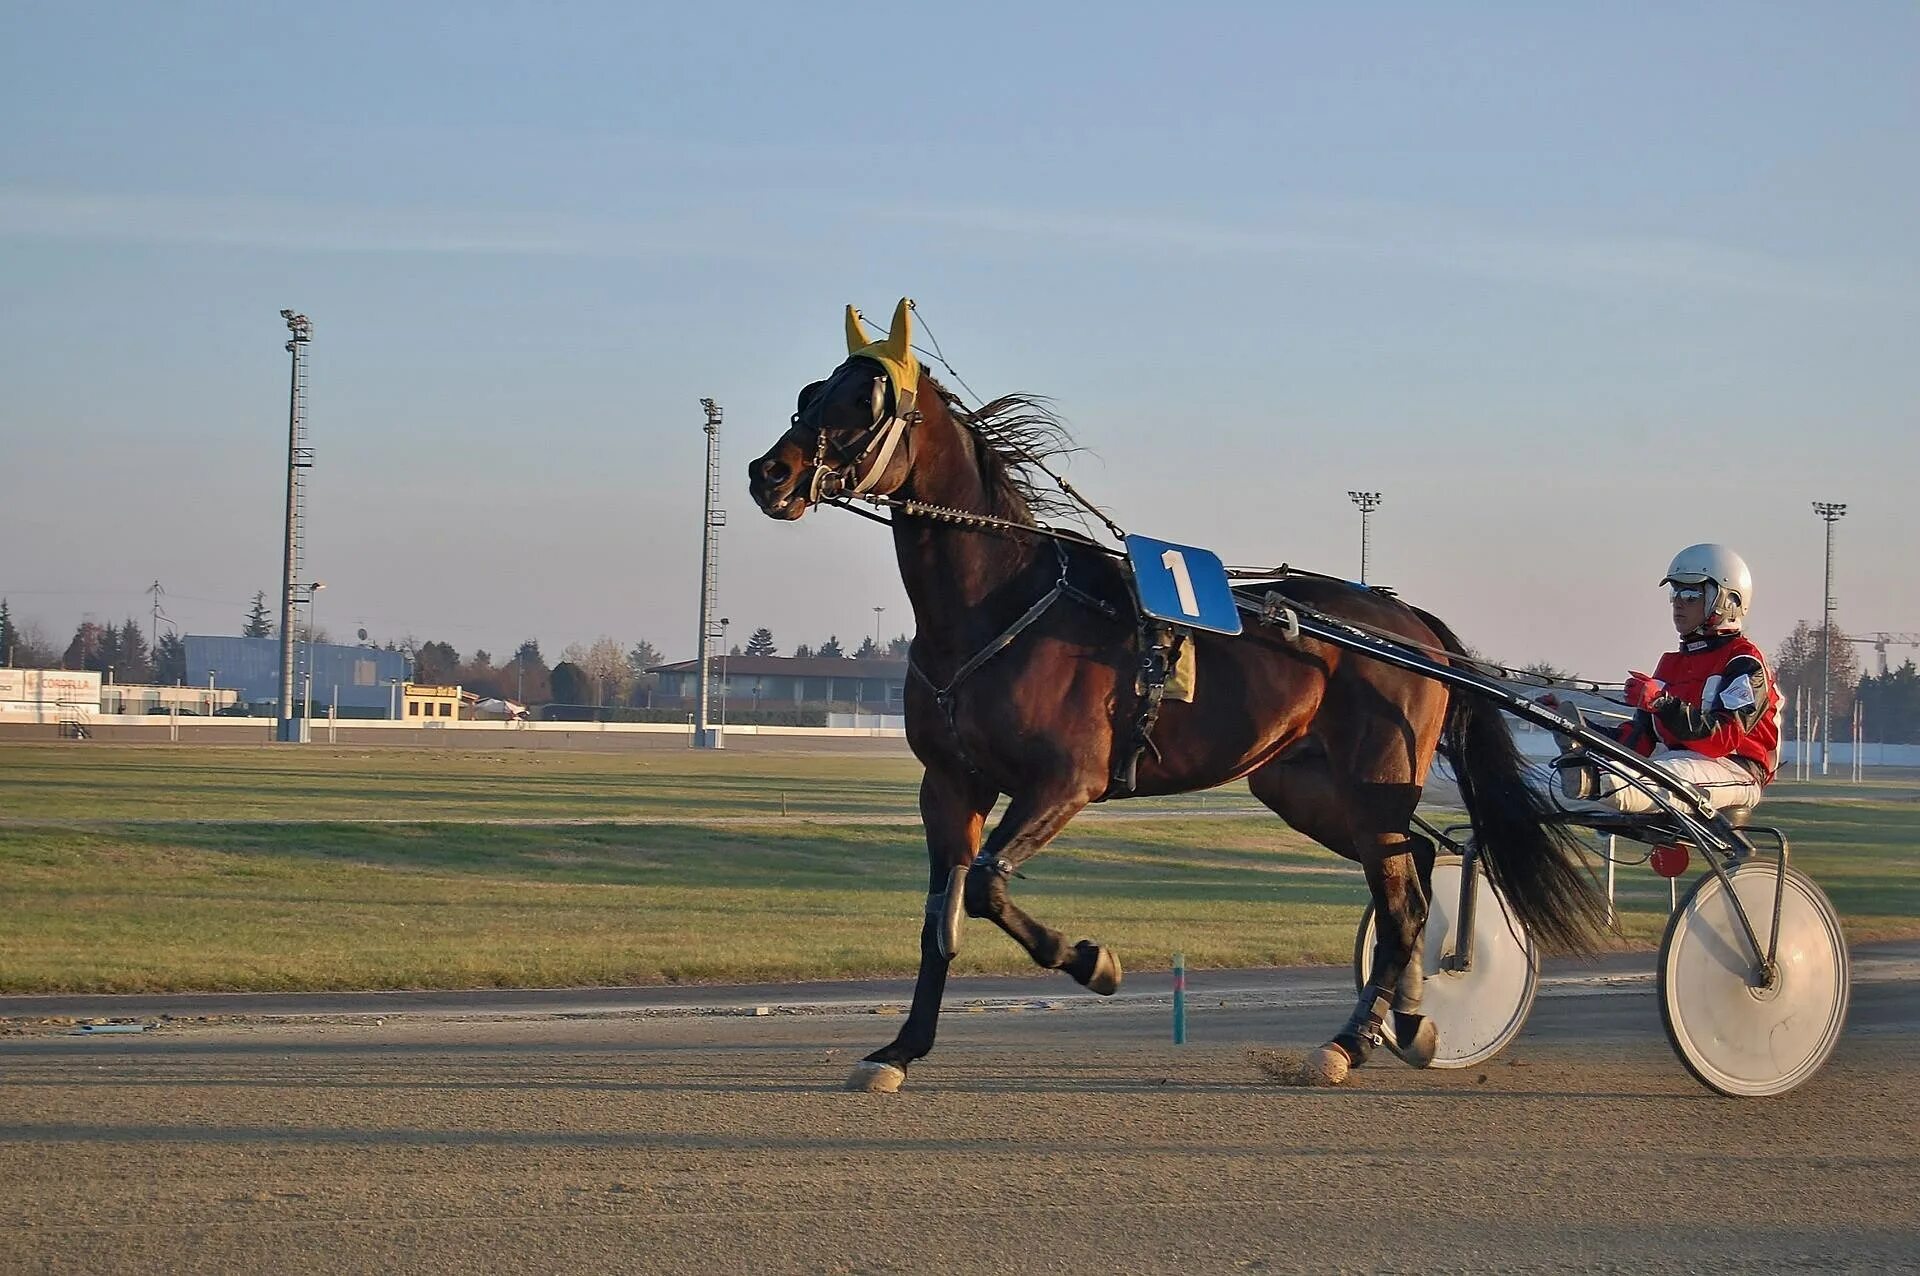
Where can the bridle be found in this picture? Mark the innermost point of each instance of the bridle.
(856, 465)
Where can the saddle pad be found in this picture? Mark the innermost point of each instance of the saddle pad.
(1183, 670)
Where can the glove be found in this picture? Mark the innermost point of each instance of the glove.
(1643, 690)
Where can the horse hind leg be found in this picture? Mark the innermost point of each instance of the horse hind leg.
(1358, 822)
(1407, 880)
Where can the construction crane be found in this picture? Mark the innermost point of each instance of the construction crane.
(1881, 641)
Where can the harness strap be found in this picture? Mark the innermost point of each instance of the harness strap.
(889, 436)
(944, 697)
(993, 648)
(1150, 685)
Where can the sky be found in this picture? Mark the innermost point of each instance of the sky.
(1571, 286)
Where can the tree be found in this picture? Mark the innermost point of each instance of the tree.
(830, 649)
(867, 650)
(1797, 666)
(803, 652)
(641, 657)
(170, 661)
(642, 683)
(9, 637)
(761, 643)
(259, 624)
(606, 663)
(435, 664)
(899, 646)
(571, 684)
(1890, 705)
(131, 662)
(85, 651)
(33, 649)
(478, 675)
(525, 677)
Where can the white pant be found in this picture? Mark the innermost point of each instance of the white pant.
(1728, 785)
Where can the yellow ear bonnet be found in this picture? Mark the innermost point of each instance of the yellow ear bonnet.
(894, 353)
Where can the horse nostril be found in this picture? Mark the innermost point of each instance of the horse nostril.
(774, 471)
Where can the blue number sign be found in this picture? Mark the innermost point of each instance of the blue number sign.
(1183, 585)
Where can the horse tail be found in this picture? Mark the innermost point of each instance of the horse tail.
(1533, 858)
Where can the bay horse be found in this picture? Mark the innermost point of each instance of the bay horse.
(1023, 682)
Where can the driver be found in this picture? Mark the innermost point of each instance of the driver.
(1708, 712)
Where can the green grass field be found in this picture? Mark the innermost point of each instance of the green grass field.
(144, 869)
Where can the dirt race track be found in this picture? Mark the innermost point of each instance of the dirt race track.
(1047, 1133)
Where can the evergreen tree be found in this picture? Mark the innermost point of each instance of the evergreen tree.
(436, 664)
(9, 636)
(867, 650)
(131, 663)
(526, 677)
(761, 644)
(643, 656)
(899, 647)
(170, 661)
(572, 684)
(830, 649)
(1890, 706)
(259, 623)
(803, 652)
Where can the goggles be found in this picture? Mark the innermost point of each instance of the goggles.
(1689, 593)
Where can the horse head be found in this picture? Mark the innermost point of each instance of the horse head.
(848, 432)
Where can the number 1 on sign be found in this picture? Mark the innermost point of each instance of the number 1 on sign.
(1176, 562)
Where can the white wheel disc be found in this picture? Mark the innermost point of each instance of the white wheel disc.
(1479, 1010)
(1737, 1038)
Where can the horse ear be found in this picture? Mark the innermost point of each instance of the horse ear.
(899, 343)
(857, 338)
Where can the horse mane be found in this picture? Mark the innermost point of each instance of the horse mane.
(1014, 435)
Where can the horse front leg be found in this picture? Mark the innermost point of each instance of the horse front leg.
(954, 809)
(1032, 820)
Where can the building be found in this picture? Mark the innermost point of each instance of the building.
(49, 695)
(783, 682)
(431, 706)
(362, 681)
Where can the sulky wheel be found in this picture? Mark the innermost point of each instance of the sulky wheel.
(1476, 1011)
(1738, 1035)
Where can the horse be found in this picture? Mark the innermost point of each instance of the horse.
(1025, 682)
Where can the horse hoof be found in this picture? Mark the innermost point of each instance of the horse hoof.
(1101, 969)
(1419, 1046)
(875, 1078)
(1106, 974)
(1326, 1066)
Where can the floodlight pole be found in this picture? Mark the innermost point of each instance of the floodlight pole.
(1368, 503)
(312, 601)
(299, 457)
(1832, 514)
(707, 735)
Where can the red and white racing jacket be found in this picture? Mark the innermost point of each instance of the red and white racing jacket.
(1719, 702)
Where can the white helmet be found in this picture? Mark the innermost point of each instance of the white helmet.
(1726, 572)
